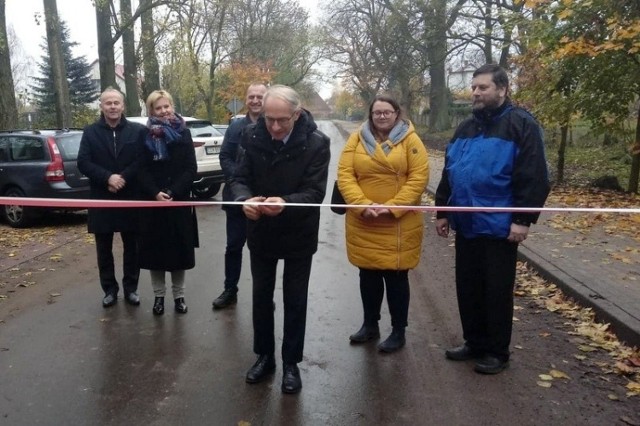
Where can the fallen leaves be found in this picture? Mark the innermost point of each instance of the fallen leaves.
(591, 337)
(618, 224)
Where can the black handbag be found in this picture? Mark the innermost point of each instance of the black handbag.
(336, 198)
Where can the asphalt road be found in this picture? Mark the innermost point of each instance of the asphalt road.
(66, 360)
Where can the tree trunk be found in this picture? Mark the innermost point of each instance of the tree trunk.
(129, 59)
(58, 68)
(439, 118)
(564, 131)
(488, 34)
(150, 61)
(8, 108)
(635, 163)
(106, 55)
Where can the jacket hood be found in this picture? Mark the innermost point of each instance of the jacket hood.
(400, 131)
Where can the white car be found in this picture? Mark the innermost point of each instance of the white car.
(207, 142)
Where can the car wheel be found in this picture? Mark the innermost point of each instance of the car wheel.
(203, 192)
(16, 216)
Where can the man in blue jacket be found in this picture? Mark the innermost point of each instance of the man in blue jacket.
(109, 157)
(236, 222)
(495, 159)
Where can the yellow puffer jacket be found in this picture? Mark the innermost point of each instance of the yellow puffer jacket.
(393, 179)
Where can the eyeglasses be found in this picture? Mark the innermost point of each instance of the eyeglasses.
(378, 114)
(281, 121)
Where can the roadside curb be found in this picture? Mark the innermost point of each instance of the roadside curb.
(625, 326)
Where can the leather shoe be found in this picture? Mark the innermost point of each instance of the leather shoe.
(490, 364)
(109, 300)
(180, 306)
(264, 366)
(291, 382)
(132, 298)
(462, 353)
(366, 333)
(227, 298)
(158, 305)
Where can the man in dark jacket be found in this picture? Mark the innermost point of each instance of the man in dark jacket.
(236, 221)
(495, 159)
(109, 157)
(286, 161)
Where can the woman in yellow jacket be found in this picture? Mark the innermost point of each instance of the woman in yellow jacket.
(384, 164)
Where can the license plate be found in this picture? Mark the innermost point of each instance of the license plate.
(210, 150)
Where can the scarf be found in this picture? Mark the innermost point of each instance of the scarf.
(163, 133)
(396, 135)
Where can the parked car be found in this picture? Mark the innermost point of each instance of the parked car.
(39, 164)
(222, 128)
(207, 142)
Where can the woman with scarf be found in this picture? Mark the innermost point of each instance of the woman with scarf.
(168, 235)
(384, 164)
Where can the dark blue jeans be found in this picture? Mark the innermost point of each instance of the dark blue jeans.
(236, 238)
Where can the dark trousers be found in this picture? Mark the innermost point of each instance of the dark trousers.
(295, 286)
(485, 276)
(236, 238)
(131, 271)
(372, 283)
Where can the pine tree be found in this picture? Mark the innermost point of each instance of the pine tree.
(82, 90)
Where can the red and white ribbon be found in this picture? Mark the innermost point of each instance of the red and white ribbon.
(86, 203)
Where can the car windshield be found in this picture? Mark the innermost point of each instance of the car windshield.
(202, 128)
(69, 146)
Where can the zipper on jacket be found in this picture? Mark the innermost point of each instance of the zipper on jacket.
(115, 147)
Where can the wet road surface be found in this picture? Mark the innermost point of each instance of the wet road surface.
(72, 362)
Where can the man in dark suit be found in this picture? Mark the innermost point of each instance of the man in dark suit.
(286, 161)
(236, 221)
(109, 157)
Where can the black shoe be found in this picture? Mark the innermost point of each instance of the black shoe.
(394, 342)
(109, 300)
(181, 307)
(366, 333)
(462, 353)
(227, 298)
(291, 382)
(490, 364)
(264, 366)
(158, 306)
(132, 298)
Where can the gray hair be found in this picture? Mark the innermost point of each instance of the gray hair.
(111, 89)
(285, 93)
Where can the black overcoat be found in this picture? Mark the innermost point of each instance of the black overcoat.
(297, 172)
(168, 235)
(105, 151)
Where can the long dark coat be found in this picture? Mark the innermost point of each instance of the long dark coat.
(168, 235)
(105, 151)
(297, 172)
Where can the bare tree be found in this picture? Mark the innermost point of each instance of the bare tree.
(368, 41)
(59, 71)
(274, 32)
(8, 109)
